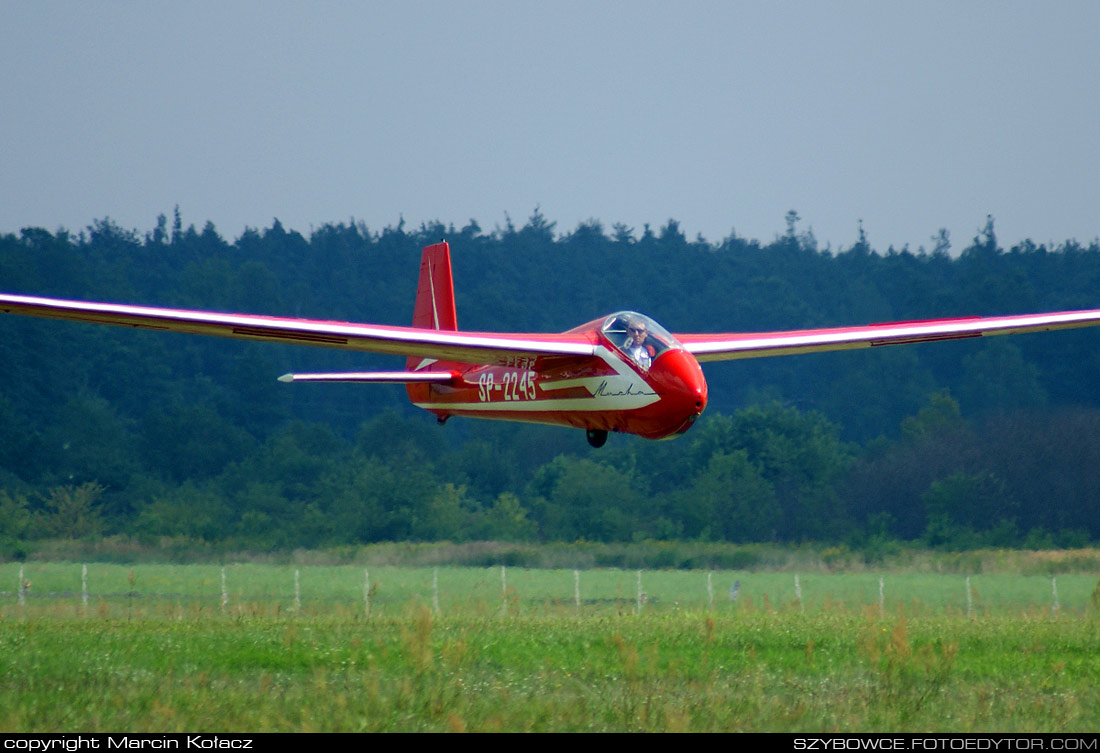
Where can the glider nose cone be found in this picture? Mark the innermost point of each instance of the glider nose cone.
(683, 390)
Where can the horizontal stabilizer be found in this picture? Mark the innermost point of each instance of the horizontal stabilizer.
(379, 377)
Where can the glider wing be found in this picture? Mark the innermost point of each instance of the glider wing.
(465, 347)
(725, 347)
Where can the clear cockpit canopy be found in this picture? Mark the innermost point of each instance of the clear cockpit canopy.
(624, 328)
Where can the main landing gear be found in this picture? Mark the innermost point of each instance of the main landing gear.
(596, 437)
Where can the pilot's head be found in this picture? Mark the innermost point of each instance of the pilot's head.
(636, 331)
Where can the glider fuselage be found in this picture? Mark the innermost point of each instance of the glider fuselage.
(607, 391)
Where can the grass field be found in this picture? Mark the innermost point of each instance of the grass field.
(156, 650)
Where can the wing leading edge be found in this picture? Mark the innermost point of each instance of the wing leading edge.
(725, 347)
(466, 347)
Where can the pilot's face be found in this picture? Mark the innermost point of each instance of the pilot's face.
(637, 333)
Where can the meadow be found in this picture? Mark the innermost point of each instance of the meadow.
(160, 648)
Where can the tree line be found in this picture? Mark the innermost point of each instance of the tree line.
(110, 431)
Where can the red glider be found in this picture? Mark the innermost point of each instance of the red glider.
(622, 372)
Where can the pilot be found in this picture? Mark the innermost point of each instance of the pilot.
(636, 345)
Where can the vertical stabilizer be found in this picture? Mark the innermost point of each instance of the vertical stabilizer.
(435, 306)
(435, 293)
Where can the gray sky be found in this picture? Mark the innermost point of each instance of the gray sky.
(911, 116)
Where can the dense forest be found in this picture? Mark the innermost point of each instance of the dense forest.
(110, 431)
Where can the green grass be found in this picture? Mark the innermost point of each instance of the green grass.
(170, 658)
(686, 671)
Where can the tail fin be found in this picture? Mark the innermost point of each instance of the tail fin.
(435, 305)
(435, 294)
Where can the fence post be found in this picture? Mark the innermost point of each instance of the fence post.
(84, 587)
(297, 592)
(638, 607)
(22, 588)
(710, 592)
(366, 592)
(577, 588)
(225, 593)
(435, 590)
(881, 598)
(798, 594)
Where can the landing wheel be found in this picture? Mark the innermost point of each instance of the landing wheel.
(596, 437)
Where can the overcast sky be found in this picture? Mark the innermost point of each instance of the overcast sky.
(723, 115)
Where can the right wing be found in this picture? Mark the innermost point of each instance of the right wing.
(464, 347)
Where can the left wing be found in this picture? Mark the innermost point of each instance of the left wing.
(465, 347)
(725, 347)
